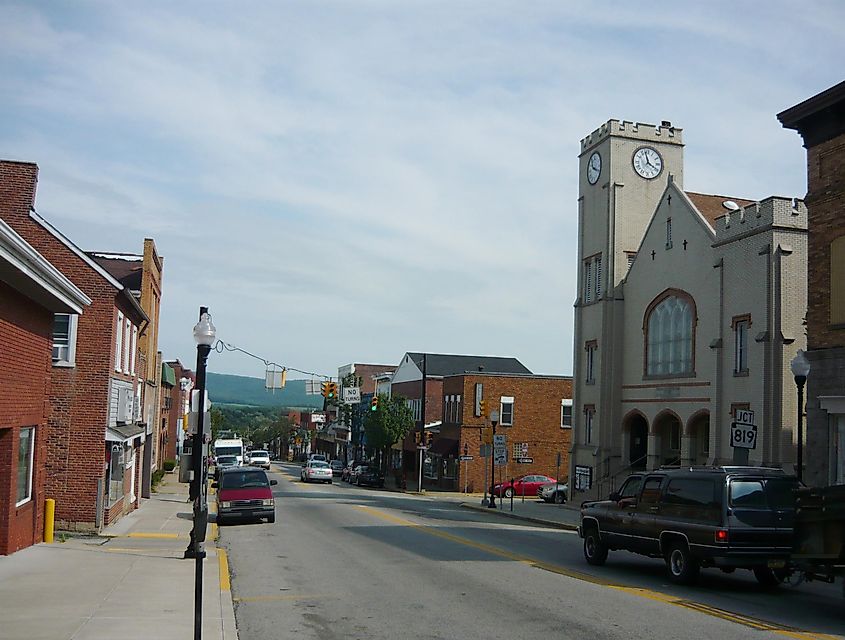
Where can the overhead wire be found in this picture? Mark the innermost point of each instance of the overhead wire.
(221, 346)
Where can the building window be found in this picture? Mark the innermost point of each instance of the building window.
(64, 339)
(589, 416)
(127, 346)
(566, 413)
(837, 284)
(740, 327)
(458, 413)
(669, 336)
(479, 390)
(118, 347)
(668, 233)
(592, 278)
(26, 455)
(134, 349)
(506, 411)
(116, 473)
(590, 361)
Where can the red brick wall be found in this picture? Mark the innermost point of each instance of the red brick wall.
(536, 420)
(412, 390)
(825, 194)
(366, 372)
(25, 331)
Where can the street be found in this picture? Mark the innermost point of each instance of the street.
(344, 562)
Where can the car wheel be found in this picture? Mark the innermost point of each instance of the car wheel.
(508, 492)
(767, 577)
(560, 498)
(683, 568)
(271, 519)
(595, 551)
(331, 482)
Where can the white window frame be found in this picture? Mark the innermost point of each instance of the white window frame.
(458, 407)
(118, 348)
(566, 403)
(588, 280)
(479, 394)
(597, 275)
(127, 344)
(505, 400)
(670, 332)
(589, 416)
(31, 465)
(70, 361)
(134, 349)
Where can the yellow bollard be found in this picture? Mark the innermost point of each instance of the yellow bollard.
(49, 519)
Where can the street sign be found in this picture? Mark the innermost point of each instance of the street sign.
(351, 395)
(500, 457)
(500, 440)
(525, 460)
(485, 450)
(313, 387)
(744, 416)
(743, 436)
(318, 417)
(465, 458)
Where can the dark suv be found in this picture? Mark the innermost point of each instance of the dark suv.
(725, 517)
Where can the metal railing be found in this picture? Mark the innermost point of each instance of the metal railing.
(607, 483)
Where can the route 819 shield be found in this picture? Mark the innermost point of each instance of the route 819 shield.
(743, 436)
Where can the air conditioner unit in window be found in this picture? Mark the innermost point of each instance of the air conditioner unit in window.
(125, 402)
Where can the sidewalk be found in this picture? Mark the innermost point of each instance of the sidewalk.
(561, 516)
(130, 583)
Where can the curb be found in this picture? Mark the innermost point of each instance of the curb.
(227, 605)
(506, 514)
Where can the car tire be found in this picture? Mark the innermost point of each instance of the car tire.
(768, 578)
(682, 567)
(560, 498)
(595, 550)
(509, 492)
(331, 482)
(271, 519)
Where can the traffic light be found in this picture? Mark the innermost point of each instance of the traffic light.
(374, 404)
(428, 437)
(324, 389)
(332, 390)
(482, 408)
(417, 437)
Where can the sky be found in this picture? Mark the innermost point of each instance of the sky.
(347, 180)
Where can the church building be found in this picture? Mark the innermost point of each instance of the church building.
(689, 310)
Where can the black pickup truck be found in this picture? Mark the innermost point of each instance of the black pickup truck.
(725, 517)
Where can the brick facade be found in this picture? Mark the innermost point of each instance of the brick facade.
(80, 395)
(25, 333)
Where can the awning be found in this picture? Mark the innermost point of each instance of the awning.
(445, 447)
(124, 432)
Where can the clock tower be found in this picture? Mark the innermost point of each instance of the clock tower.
(623, 170)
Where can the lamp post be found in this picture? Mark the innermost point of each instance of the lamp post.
(494, 420)
(800, 369)
(204, 335)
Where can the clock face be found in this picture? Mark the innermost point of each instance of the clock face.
(648, 163)
(594, 168)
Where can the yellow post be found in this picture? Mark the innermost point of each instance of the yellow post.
(49, 519)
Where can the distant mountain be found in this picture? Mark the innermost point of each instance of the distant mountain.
(227, 389)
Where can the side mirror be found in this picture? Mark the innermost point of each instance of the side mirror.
(272, 482)
(615, 496)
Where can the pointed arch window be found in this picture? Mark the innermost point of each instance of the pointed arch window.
(670, 335)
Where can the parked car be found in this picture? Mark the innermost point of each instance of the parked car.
(224, 462)
(346, 476)
(244, 493)
(527, 485)
(337, 468)
(366, 475)
(725, 517)
(260, 458)
(557, 492)
(318, 471)
(320, 457)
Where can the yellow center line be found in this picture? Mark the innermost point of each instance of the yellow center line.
(641, 592)
(223, 562)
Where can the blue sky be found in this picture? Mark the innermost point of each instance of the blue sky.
(344, 181)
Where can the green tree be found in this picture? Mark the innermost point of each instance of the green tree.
(388, 424)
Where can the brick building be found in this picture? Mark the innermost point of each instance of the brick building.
(535, 415)
(821, 122)
(169, 393)
(179, 408)
(366, 376)
(32, 291)
(95, 437)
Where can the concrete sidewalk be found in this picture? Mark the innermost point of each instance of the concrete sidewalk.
(532, 509)
(130, 583)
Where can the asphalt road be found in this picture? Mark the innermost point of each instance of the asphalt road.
(343, 562)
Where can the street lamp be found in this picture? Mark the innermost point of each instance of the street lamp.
(800, 369)
(204, 335)
(494, 420)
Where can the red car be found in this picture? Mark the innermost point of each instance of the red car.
(528, 485)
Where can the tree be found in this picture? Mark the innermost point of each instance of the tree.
(389, 423)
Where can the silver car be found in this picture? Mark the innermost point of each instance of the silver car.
(556, 492)
(317, 471)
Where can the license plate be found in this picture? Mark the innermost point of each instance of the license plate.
(777, 564)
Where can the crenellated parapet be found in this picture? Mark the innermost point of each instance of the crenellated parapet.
(774, 211)
(664, 132)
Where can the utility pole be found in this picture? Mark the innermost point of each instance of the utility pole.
(422, 425)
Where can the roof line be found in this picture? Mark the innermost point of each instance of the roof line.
(69, 244)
